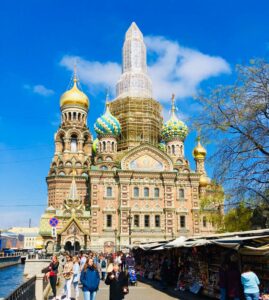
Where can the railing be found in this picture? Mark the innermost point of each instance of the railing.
(24, 292)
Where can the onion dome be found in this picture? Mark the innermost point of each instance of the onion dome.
(95, 146)
(174, 128)
(107, 124)
(199, 151)
(162, 146)
(204, 180)
(74, 96)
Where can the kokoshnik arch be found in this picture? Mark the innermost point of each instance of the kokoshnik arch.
(131, 184)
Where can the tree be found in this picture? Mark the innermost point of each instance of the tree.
(236, 117)
(238, 218)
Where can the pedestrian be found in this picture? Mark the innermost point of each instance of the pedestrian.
(234, 286)
(76, 276)
(223, 280)
(52, 274)
(118, 283)
(90, 280)
(82, 261)
(110, 262)
(67, 274)
(250, 283)
(103, 264)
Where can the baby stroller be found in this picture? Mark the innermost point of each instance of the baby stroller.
(132, 276)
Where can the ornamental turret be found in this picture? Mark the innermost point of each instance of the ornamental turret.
(174, 133)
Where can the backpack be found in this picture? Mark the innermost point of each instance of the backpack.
(103, 264)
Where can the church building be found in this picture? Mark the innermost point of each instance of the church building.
(132, 183)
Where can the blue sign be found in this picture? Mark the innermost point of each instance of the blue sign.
(54, 222)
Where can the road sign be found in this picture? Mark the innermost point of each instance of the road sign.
(53, 232)
(53, 222)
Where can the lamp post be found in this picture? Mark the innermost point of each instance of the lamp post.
(129, 218)
(115, 232)
(75, 232)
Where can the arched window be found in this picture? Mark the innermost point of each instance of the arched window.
(62, 142)
(136, 192)
(146, 192)
(156, 192)
(70, 116)
(109, 191)
(181, 194)
(74, 116)
(104, 146)
(204, 222)
(61, 173)
(104, 168)
(173, 150)
(74, 143)
(112, 146)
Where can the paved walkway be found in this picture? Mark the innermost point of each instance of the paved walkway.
(143, 291)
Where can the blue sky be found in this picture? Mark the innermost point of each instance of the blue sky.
(192, 45)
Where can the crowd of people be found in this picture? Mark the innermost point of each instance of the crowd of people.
(86, 270)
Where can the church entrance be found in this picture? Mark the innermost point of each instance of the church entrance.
(72, 248)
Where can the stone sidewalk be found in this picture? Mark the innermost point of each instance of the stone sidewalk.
(143, 291)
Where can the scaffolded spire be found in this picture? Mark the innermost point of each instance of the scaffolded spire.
(73, 193)
(134, 81)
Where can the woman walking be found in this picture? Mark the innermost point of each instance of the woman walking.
(52, 274)
(118, 283)
(90, 280)
(76, 274)
(68, 274)
(250, 283)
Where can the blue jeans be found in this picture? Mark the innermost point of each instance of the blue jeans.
(223, 294)
(254, 296)
(89, 295)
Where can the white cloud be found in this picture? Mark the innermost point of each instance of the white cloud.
(174, 69)
(39, 89)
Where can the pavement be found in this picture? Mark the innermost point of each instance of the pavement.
(143, 291)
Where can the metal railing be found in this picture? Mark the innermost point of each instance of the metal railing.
(24, 292)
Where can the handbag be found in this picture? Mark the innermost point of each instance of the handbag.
(125, 290)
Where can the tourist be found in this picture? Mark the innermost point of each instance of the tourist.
(52, 274)
(82, 261)
(90, 280)
(110, 262)
(67, 274)
(118, 283)
(76, 276)
(130, 261)
(103, 264)
(250, 283)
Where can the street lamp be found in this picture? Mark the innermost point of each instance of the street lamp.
(115, 232)
(75, 232)
(129, 218)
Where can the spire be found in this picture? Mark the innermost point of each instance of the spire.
(173, 109)
(75, 77)
(134, 81)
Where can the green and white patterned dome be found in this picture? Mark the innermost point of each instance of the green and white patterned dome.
(174, 128)
(107, 125)
(95, 146)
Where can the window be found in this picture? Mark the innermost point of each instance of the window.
(108, 220)
(104, 168)
(136, 220)
(156, 192)
(182, 221)
(146, 192)
(204, 222)
(181, 194)
(136, 192)
(146, 220)
(157, 221)
(74, 143)
(109, 191)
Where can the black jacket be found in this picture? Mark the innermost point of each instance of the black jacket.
(116, 285)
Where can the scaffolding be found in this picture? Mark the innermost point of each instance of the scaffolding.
(140, 120)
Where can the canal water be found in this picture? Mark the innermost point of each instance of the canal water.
(10, 278)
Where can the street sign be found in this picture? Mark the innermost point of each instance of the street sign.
(53, 222)
(54, 232)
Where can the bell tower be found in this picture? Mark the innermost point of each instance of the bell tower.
(73, 147)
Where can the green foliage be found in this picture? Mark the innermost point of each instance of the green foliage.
(238, 218)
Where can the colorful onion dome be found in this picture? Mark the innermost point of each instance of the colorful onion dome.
(95, 146)
(107, 124)
(162, 146)
(199, 152)
(74, 96)
(174, 128)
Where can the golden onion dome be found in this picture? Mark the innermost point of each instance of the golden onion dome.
(74, 96)
(204, 181)
(199, 152)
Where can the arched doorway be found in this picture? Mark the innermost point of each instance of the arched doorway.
(72, 248)
(49, 247)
